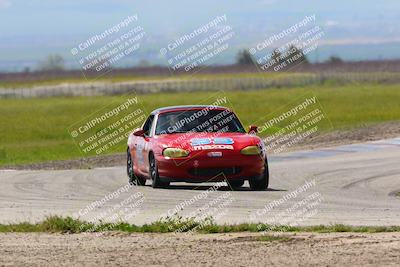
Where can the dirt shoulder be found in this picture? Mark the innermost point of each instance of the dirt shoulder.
(233, 249)
(362, 134)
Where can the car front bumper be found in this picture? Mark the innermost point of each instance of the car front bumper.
(200, 167)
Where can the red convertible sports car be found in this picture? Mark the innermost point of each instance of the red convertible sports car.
(196, 144)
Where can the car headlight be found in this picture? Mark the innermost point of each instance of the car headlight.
(175, 152)
(251, 150)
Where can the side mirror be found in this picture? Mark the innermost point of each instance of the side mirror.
(253, 129)
(139, 132)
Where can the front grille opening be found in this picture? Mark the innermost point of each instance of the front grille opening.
(207, 172)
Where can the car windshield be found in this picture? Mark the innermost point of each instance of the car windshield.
(199, 120)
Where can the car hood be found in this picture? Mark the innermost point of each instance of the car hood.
(208, 141)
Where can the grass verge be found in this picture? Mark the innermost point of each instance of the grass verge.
(57, 224)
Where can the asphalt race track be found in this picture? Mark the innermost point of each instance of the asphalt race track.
(352, 184)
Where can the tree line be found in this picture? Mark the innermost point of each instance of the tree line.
(292, 56)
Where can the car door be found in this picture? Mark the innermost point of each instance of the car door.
(143, 145)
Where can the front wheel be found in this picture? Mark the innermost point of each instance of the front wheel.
(153, 169)
(133, 178)
(261, 182)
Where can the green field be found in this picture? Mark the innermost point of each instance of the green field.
(35, 130)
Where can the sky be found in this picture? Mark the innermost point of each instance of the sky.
(355, 29)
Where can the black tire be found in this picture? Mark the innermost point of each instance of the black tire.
(132, 178)
(236, 183)
(153, 170)
(261, 182)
